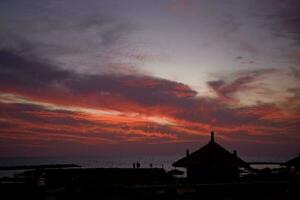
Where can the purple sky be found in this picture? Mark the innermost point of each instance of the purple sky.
(182, 66)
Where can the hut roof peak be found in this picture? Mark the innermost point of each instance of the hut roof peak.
(212, 137)
(210, 154)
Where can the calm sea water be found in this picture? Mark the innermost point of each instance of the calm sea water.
(90, 162)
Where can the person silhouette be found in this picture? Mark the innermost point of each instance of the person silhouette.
(133, 165)
(138, 165)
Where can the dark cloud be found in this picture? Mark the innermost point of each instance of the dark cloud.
(238, 82)
(38, 77)
(28, 73)
(90, 38)
(286, 19)
(226, 90)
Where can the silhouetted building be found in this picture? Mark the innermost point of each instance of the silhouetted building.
(212, 163)
(295, 162)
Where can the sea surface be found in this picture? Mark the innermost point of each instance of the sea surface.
(90, 162)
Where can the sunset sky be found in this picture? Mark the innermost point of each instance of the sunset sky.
(92, 77)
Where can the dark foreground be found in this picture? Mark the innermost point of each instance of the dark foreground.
(138, 184)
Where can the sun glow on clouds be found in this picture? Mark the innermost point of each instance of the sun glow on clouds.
(96, 114)
(110, 109)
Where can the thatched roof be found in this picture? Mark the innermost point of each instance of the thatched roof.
(211, 155)
(295, 162)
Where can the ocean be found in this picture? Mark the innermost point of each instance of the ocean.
(160, 161)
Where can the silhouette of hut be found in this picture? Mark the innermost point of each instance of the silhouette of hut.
(295, 162)
(212, 163)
